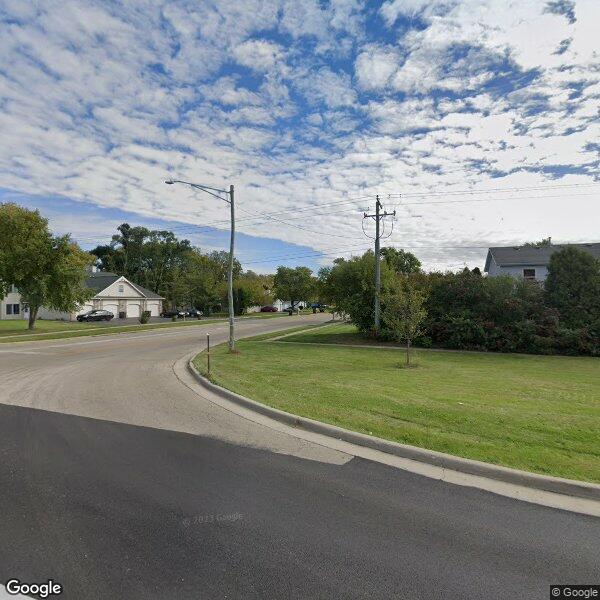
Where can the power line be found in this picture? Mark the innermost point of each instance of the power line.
(496, 190)
(192, 228)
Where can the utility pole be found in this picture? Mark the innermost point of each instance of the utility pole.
(227, 196)
(378, 216)
(230, 275)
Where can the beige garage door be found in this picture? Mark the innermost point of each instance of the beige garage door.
(153, 308)
(133, 310)
(113, 308)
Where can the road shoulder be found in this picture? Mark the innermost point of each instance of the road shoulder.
(554, 492)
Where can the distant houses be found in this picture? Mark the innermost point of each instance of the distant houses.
(528, 262)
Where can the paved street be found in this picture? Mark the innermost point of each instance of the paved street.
(119, 481)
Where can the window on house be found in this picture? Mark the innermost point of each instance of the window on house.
(16, 309)
(9, 309)
(121, 289)
(529, 273)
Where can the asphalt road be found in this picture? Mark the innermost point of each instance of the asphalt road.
(118, 481)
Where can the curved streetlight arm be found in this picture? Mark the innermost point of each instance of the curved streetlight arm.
(204, 188)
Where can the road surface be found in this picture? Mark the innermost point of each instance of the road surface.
(119, 481)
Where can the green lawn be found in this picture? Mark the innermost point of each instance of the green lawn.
(537, 413)
(19, 327)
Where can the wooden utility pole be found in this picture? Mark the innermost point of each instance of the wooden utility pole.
(378, 216)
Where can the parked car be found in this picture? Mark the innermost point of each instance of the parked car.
(168, 314)
(268, 309)
(317, 306)
(95, 315)
(194, 313)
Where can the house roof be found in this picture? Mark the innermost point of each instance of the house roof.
(100, 280)
(515, 256)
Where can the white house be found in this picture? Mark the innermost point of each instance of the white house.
(529, 262)
(112, 292)
(10, 305)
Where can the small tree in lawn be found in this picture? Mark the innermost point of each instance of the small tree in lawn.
(403, 312)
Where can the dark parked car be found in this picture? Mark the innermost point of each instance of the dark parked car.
(194, 313)
(95, 315)
(268, 309)
(167, 314)
(317, 306)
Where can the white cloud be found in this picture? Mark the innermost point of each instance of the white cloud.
(100, 105)
(333, 89)
(392, 9)
(375, 66)
(259, 55)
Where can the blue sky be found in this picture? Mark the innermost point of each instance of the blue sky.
(476, 120)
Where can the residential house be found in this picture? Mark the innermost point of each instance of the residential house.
(529, 262)
(111, 292)
(11, 306)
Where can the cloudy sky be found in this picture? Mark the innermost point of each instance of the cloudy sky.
(476, 120)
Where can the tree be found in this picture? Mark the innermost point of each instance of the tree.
(401, 261)
(24, 236)
(403, 312)
(251, 289)
(573, 286)
(350, 287)
(294, 284)
(151, 258)
(48, 271)
(543, 242)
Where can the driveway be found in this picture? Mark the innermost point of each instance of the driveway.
(119, 481)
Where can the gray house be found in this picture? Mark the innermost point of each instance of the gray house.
(529, 262)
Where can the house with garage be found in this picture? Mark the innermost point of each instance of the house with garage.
(528, 262)
(111, 292)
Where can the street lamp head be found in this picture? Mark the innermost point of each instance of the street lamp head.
(169, 182)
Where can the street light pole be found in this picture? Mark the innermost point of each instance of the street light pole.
(229, 198)
(230, 275)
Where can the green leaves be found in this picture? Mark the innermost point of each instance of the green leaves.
(573, 286)
(48, 271)
(294, 284)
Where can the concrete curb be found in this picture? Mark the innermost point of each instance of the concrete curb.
(557, 485)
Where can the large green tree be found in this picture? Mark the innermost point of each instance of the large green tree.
(350, 287)
(294, 284)
(48, 270)
(24, 236)
(573, 286)
(151, 258)
(251, 289)
(401, 261)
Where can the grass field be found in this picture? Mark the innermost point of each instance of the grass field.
(537, 413)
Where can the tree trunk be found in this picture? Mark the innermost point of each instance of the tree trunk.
(407, 351)
(33, 311)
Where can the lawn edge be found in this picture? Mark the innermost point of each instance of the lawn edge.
(547, 483)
